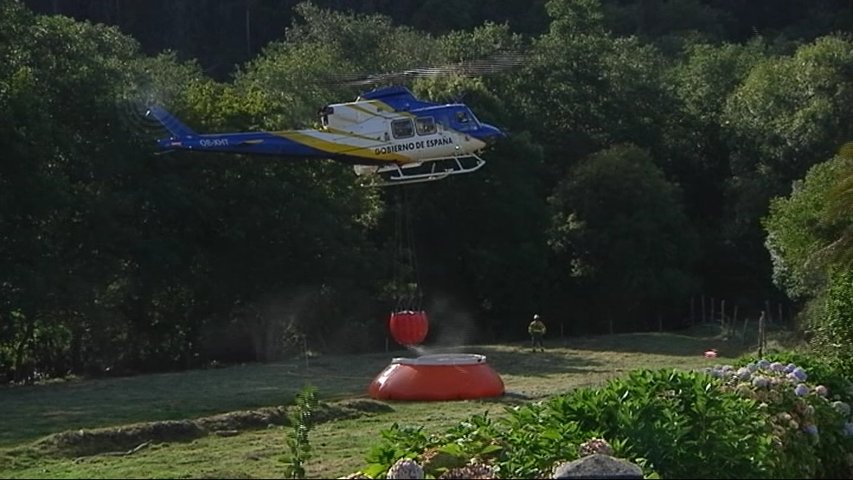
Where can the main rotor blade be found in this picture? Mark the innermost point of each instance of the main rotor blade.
(486, 66)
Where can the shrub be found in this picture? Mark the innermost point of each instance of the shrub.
(811, 431)
(398, 442)
(677, 424)
(763, 419)
(822, 370)
(301, 421)
(680, 424)
(833, 331)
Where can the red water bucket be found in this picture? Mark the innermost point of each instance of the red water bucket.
(409, 327)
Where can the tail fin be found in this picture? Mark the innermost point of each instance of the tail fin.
(172, 124)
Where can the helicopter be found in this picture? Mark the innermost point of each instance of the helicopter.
(386, 132)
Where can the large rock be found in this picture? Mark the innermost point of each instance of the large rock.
(598, 466)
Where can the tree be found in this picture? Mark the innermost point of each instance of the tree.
(56, 204)
(808, 237)
(588, 90)
(798, 230)
(789, 113)
(696, 153)
(838, 213)
(786, 116)
(618, 226)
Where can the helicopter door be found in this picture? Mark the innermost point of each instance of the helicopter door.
(442, 122)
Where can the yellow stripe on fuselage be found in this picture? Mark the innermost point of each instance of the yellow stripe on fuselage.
(363, 151)
(345, 133)
(382, 109)
(377, 113)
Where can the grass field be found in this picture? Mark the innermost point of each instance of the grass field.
(33, 412)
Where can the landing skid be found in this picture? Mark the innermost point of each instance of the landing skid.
(428, 171)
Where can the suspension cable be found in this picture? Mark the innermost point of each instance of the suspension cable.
(408, 295)
(399, 268)
(417, 295)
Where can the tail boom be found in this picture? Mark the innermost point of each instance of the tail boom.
(170, 122)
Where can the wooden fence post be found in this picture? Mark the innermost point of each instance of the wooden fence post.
(734, 321)
(692, 309)
(711, 319)
(305, 349)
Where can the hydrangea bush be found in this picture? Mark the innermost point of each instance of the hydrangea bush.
(811, 426)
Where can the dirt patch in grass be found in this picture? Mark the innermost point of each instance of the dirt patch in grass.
(128, 439)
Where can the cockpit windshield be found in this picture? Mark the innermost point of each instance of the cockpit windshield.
(465, 120)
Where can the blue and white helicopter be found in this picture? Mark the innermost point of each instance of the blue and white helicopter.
(386, 132)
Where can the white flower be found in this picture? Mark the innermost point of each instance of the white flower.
(821, 390)
(842, 408)
(596, 445)
(405, 468)
(760, 381)
(473, 470)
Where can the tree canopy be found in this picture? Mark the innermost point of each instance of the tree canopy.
(647, 141)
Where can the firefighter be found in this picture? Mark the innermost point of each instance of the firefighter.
(536, 329)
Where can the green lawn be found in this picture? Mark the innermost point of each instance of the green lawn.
(35, 411)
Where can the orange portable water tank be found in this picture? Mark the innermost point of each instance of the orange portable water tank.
(459, 376)
(409, 327)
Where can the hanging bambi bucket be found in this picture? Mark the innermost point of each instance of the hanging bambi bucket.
(409, 327)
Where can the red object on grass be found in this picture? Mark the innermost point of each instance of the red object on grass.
(459, 376)
(409, 327)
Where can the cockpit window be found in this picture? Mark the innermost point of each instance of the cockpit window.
(425, 125)
(464, 120)
(402, 128)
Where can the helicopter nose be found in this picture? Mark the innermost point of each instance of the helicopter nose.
(489, 134)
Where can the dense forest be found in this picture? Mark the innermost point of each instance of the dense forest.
(658, 152)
